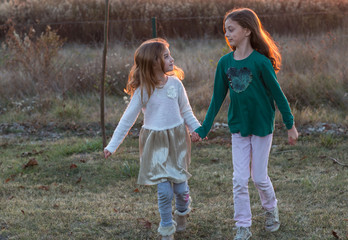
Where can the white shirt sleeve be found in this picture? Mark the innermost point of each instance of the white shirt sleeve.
(127, 121)
(186, 110)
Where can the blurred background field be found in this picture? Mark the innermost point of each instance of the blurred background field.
(53, 48)
(51, 52)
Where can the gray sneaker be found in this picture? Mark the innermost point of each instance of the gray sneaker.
(272, 220)
(243, 233)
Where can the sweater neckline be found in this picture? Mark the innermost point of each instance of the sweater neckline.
(244, 59)
(162, 86)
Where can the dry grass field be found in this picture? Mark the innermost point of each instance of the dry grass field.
(63, 189)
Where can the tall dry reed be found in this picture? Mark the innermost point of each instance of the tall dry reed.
(83, 20)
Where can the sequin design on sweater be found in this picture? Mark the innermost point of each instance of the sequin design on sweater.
(171, 92)
(239, 79)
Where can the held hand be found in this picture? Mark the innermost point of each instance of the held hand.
(106, 153)
(195, 137)
(292, 135)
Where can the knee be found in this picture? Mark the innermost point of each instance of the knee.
(240, 183)
(181, 189)
(261, 183)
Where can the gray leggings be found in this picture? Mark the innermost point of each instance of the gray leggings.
(165, 193)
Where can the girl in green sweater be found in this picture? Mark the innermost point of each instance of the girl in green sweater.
(248, 74)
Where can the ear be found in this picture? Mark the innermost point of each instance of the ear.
(247, 32)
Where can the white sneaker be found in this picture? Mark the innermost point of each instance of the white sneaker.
(243, 233)
(272, 223)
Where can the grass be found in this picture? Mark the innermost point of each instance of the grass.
(73, 193)
(313, 77)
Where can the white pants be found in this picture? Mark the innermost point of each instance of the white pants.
(250, 155)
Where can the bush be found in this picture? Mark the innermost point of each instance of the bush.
(31, 59)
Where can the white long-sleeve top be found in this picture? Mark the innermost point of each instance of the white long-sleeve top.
(168, 107)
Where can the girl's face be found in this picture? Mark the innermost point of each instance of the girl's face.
(167, 60)
(235, 34)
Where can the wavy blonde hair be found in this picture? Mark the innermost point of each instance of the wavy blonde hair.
(142, 72)
(260, 39)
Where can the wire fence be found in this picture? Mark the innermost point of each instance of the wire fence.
(138, 29)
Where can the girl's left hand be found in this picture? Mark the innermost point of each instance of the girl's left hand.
(107, 154)
(292, 135)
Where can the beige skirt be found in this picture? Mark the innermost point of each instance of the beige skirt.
(164, 155)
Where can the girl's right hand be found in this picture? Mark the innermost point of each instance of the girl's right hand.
(106, 153)
(195, 137)
(292, 135)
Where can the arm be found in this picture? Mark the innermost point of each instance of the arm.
(272, 84)
(186, 110)
(219, 94)
(127, 121)
(270, 79)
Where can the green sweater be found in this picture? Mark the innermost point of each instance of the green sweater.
(253, 89)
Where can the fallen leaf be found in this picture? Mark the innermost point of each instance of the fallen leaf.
(44, 188)
(11, 178)
(73, 166)
(144, 222)
(335, 234)
(32, 162)
(79, 180)
(136, 190)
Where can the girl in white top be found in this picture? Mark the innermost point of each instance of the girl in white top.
(164, 142)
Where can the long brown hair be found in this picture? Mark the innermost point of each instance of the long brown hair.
(142, 72)
(260, 39)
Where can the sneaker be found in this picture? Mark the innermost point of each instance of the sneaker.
(272, 220)
(243, 233)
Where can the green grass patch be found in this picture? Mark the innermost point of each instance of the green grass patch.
(74, 193)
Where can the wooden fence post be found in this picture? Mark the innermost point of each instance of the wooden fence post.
(102, 82)
(154, 27)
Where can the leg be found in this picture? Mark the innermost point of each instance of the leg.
(182, 204)
(182, 195)
(261, 147)
(241, 147)
(165, 197)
